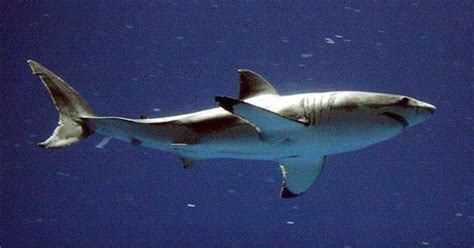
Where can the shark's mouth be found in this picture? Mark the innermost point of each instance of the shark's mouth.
(396, 117)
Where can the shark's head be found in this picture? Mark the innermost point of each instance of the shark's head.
(359, 119)
(399, 110)
(406, 110)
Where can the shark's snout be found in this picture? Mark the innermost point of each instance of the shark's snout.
(426, 107)
(430, 108)
(423, 111)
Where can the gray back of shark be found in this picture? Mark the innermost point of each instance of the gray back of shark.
(296, 131)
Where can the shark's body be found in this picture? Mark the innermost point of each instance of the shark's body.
(297, 131)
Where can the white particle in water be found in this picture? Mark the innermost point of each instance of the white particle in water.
(63, 174)
(270, 180)
(329, 41)
(104, 142)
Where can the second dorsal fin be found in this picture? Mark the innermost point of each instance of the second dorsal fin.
(252, 84)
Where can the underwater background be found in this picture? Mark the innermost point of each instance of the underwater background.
(162, 58)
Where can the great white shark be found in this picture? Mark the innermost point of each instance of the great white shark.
(296, 131)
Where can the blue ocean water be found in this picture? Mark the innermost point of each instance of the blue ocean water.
(166, 58)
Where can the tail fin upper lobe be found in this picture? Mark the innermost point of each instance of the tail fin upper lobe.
(70, 107)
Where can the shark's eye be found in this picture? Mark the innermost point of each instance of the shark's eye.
(404, 101)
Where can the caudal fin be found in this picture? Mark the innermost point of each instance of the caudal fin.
(70, 106)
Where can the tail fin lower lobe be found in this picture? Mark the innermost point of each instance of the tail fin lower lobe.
(70, 107)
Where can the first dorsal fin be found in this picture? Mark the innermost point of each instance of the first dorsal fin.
(252, 84)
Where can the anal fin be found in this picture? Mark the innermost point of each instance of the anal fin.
(187, 163)
(185, 154)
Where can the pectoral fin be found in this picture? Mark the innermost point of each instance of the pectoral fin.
(298, 175)
(268, 123)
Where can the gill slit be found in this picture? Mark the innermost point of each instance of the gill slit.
(305, 109)
(321, 109)
(317, 108)
(312, 110)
